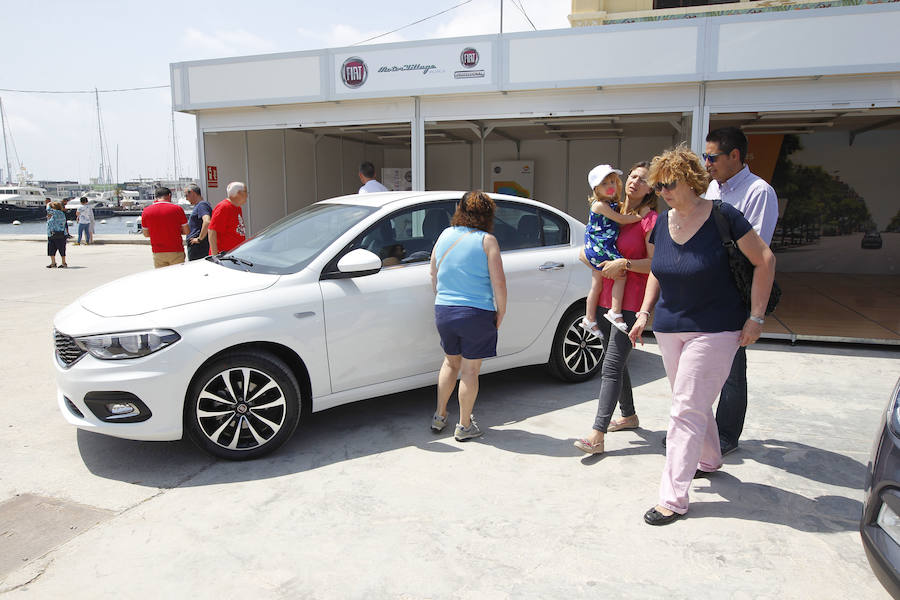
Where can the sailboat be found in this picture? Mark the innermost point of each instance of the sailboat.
(19, 201)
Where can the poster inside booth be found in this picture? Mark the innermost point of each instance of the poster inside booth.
(397, 180)
(513, 177)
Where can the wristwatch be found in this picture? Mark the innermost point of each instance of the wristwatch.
(756, 319)
(627, 265)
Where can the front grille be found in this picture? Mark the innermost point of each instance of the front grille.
(67, 351)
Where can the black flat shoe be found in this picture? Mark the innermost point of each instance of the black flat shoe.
(51, 266)
(700, 473)
(654, 517)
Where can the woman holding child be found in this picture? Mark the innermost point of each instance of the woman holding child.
(636, 217)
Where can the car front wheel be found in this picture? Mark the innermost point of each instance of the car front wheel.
(243, 406)
(576, 354)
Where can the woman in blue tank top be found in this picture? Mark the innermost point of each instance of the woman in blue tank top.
(470, 301)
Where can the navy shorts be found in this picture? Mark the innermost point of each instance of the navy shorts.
(469, 331)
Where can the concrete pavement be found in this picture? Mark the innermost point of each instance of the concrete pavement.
(365, 501)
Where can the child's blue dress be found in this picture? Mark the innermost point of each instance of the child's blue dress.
(600, 238)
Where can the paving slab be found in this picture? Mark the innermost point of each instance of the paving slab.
(365, 501)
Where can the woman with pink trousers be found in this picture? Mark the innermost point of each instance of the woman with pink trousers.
(700, 318)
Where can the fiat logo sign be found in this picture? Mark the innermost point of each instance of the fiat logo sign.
(354, 72)
(469, 57)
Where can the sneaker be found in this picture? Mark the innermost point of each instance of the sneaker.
(438, 422)
(467, 433)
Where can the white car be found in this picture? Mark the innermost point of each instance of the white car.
(329, 305)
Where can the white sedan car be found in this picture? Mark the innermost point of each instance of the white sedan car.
(329, 305)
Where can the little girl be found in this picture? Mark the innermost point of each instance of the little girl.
(600, 244)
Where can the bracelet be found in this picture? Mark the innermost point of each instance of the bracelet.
(643, 312)
(755, 319)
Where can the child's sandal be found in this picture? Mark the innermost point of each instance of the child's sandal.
(620, 325)
(591, 327)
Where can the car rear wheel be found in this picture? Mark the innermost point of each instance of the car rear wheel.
(576, 354)
(243, 406)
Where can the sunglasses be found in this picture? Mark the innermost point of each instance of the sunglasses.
(669, 186)
(712, 157)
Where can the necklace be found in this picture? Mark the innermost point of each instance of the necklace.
(674, 224)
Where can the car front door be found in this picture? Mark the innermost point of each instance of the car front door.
(380, 327)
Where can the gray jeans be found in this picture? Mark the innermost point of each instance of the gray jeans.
(615, 383)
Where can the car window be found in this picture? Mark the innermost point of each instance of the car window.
(555, 228)
(289, 244)
(517, 226)
(408, 235)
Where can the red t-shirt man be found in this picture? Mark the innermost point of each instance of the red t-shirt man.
(164, 220)
(228, 223)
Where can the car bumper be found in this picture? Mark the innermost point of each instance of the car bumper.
(158, 381)
(882, 485)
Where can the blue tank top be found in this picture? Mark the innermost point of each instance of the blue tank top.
(463, 278)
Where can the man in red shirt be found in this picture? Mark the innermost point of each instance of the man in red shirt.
(226, 228)
(164, 223)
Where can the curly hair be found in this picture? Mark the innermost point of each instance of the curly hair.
(650, 200)
(679, 164)
(56, 205)
(475, 210)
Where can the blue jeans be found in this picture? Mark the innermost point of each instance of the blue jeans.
(733, 400)
(615, 383)
(84, 228)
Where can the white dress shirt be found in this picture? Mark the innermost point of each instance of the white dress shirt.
(371, 187)
(751, 195)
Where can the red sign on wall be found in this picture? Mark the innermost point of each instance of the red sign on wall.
(212, 177)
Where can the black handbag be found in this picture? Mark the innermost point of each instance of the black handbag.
(741, 267)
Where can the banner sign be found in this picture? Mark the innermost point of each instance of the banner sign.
(413, 68)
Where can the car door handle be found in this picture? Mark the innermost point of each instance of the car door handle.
(551, 266)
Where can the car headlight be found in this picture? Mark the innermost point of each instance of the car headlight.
(131, 344)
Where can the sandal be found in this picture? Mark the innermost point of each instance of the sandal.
(589, 448)
(63, 266)
(591, 327)
(624, 423)
(620, 325)
(53, 266)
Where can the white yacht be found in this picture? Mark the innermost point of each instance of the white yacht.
(22, 202)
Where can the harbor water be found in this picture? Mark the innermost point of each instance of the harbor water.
(101, 226)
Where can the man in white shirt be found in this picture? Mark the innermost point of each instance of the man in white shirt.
(367, 178)
(85, 217)
(732, 182)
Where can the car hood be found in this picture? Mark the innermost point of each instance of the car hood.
(172, 286)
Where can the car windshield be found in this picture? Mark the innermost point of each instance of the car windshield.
(291, 243)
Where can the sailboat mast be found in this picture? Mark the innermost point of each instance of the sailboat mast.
(101, 180)
(5, 150)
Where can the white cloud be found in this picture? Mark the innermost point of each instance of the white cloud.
(237, 42)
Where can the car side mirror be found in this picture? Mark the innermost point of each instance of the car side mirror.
(359, 262)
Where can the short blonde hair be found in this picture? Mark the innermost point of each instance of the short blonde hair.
(679, 164)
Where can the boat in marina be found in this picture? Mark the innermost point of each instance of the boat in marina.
(103, 204)
(22, 202)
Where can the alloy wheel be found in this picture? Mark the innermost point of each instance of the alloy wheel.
(241, 409)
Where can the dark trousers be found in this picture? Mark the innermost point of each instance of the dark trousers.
(55, 245)
(199, 250)
(733, 400)
(615, 383)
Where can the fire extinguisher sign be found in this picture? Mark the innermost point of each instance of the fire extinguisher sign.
(212, 176)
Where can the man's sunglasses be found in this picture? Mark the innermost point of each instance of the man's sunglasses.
(712, 157)
(669, 186)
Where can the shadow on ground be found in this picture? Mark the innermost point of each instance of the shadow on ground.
(364, 428)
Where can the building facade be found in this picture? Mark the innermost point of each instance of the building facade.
(446, 114)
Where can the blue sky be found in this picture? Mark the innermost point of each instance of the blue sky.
(65, 45)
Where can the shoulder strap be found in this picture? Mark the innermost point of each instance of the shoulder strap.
(443, 256)
(722, 224)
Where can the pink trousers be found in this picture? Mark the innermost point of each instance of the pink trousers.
(697, 364)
